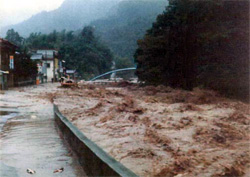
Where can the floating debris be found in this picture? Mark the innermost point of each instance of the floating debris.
(59, 170)
(30, 171)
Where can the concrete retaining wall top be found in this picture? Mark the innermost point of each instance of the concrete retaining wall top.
(94, 160)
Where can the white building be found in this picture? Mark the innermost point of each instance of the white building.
(47, 63)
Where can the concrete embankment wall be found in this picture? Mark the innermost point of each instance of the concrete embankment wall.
(92, 158)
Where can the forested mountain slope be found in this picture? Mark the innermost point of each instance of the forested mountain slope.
(71, 15)
(119, 23)
(129, 22)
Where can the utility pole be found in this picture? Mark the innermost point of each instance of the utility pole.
(46, 65)
(54, 67)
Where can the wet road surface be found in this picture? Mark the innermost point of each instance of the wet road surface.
(29, 139)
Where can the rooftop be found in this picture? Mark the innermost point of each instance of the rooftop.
(6, 42)
(36, 56)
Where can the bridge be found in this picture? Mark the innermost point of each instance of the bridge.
(113, 71)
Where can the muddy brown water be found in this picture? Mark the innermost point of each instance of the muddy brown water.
(29, 138)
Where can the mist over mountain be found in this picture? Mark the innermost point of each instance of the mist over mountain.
(128, 23)
(118, 23)
(71, 15)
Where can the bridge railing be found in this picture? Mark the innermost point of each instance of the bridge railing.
(113, 71)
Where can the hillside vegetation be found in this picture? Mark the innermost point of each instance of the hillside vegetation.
(71, 15)
(118, 24)
(129, 22)
(81, 51)
(198, 43)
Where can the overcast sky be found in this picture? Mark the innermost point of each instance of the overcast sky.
(14, 11)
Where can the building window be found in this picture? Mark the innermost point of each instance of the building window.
(48, 65)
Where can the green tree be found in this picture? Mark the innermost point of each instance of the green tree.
(86, 54)
(14, 37)
(198, 43)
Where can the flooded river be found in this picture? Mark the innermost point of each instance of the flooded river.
(29, 137)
